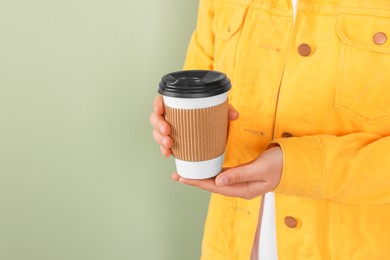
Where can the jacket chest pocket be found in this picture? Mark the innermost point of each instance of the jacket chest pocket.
(227, 25)
(363, 86)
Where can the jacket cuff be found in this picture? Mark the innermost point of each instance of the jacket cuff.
(303, 166)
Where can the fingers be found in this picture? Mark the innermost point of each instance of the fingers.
(232, 113)
(160, 124)
(158, 105)
(165, 151)
(161, 128)
(175, 176)
(161, 131)
(242, 174)
(165, 143)
(162, 140)
(204, 184)
(157, 118)
(247, 190)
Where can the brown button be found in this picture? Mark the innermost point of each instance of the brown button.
(379, 38)
(304, 49)
(287, 135)
(290, 222)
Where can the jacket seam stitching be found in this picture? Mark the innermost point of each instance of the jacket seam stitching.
(321, 180)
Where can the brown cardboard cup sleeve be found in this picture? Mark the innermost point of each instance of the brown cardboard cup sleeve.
(198, 134)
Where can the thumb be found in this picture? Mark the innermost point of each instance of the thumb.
(232, 113)
(236, 175)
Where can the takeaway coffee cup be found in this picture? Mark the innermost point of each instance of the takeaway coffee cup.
(196, 107)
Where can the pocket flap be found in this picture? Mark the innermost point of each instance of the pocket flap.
(228, 21)
(358, 30)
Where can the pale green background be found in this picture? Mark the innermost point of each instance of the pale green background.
(80, 176)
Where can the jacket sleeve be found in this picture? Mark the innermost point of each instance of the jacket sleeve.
(201, 48)
(352, 169)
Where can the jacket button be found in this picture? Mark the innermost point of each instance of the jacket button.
(287, 135)
(379, 38)
(290, 222)
(304, 49)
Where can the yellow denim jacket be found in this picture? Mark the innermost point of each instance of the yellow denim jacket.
(321, 90)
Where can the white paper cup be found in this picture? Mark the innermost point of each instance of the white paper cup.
(198, 115)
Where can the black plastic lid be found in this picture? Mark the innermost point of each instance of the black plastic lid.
(194, 84)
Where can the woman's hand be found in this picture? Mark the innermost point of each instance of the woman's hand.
(245, 181)
(162, 130)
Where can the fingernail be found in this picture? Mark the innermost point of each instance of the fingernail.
(162, 130)
(221, 181)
